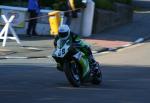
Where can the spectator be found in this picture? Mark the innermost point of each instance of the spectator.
(33, 10)
(73, 5)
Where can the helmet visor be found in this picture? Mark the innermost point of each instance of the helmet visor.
(63, 34)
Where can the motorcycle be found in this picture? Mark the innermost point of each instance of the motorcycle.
(75, 64)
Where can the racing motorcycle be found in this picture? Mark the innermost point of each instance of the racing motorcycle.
(75, 64)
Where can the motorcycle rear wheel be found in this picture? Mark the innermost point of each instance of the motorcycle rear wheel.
(97, 78)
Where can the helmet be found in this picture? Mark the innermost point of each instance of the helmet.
(64, 31)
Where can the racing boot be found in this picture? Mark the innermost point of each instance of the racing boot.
(94, 66)
(96, 69)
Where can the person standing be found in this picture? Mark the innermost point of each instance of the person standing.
(33, 10)
(73, 5)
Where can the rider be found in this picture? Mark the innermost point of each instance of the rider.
(65, 33)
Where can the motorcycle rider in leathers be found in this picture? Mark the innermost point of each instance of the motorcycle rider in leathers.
(64, 33)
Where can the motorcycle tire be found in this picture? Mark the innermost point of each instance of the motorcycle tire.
(72, 73)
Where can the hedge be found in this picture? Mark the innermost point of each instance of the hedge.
(104, 4)
(59, 4)
(124, 1)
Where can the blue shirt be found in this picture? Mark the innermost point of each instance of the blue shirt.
(33, 5)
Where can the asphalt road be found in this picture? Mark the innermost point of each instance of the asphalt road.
(126, 79)
(43, 84)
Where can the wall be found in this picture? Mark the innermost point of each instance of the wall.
(102, 20)
(81, 25)
(105, 19)
(42, 25)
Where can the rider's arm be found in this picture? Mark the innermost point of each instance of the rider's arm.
(75, 38)
(55, 41)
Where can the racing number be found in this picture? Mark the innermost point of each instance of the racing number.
(61, 52)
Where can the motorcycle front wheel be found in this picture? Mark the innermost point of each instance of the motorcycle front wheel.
(72, 73)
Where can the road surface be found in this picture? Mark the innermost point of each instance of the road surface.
(126, 79)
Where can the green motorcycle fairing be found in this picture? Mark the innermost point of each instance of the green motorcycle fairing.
(81, 55)
(83, 61)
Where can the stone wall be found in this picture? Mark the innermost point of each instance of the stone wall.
(104, 19)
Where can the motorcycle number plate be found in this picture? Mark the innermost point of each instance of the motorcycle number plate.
(61, 52)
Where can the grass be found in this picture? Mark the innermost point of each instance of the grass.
(104, 4)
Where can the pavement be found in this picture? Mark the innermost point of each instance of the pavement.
(110, 40)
